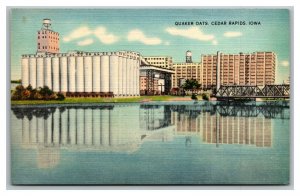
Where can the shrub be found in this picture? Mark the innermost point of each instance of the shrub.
(60, 97)
(28, 93)
(194, 97)
(205, 97)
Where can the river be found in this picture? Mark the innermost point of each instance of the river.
(179, 143)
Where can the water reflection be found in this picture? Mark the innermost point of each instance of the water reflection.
(123, 128)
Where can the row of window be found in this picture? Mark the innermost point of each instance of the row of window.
(47, 32)
(50, 37)
(45, 47)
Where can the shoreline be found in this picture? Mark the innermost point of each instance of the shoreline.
(141, 99)
(97, 100)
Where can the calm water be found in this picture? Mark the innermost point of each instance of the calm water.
(151, 143)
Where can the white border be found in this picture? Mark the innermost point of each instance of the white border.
(5, 72)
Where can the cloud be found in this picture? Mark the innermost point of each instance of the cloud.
(232, 34)
(104, 36)
(215, 42)
(191, 33)
(85, 42)
(139, 36)
(284, 63)
(166, 43)
(78, 33)
(100, 32)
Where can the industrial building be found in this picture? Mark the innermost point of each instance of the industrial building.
(160, 61)
(107, 74)
(154, 80)
(47, 39)
(239, 69)
(187, 70)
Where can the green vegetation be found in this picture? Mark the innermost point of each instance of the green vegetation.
(16, 81)
(205, 97)
(28, 93)
(191, 84)
(73, 100)
(194, 97)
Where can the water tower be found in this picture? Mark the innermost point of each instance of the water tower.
(46, 23)
(47, 39)
(188, 57)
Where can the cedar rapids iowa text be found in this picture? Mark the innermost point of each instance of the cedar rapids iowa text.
(216, 23)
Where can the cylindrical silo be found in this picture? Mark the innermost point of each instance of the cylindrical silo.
(48, 72)
(79, 74)
(137, 83)
(72, 74)
(88, 75)
(32, 71)
(120, 79)
(113, 74)
(40, 72)
(55, 74)
(124, 78)
(25, 71)
(133, 76)
(130, 76)
(63, 74)
(96, 73)
(104, 73)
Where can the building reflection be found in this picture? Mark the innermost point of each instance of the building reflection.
(123, 128)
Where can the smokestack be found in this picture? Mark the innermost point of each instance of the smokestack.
(218, 70)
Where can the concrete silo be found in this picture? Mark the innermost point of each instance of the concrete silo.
(104, 73)
(79, 74)
(40, 72)
(25, 71)
(96, 73)
(63, 74)
(113, 74)
(55, 74)
(120, 72)
(88, 74)
(32, 71)
(48, 72)
(72, 74)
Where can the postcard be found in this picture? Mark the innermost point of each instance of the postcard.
(150, 96)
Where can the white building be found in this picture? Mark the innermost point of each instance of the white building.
(84, 73)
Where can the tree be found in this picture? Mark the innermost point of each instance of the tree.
(191, 84)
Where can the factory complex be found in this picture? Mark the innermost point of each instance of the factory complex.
(129, 74)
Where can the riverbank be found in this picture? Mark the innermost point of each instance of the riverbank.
(72, 100)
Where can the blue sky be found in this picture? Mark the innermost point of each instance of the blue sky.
(153, 32)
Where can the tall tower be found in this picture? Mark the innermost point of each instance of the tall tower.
(47, 39)
(188, 57)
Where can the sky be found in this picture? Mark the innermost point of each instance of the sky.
(157, 32)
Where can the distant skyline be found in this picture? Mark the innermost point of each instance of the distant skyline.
(157, 32)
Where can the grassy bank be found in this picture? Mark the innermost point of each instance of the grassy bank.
(72, 100)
